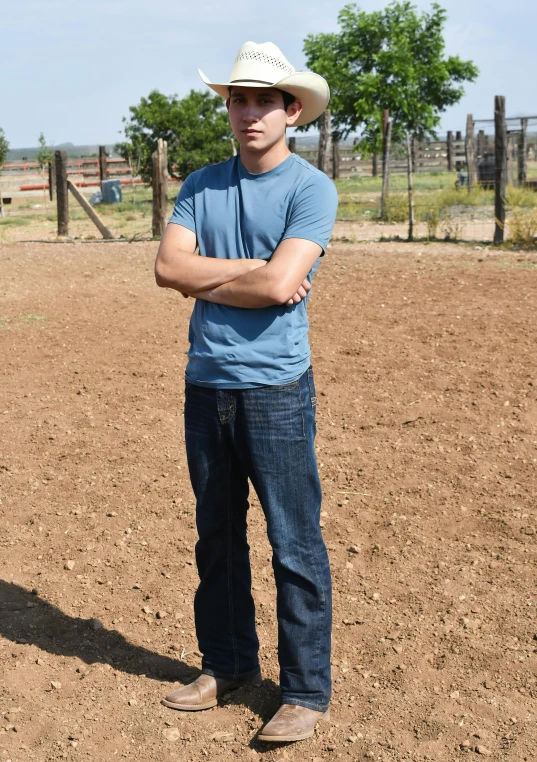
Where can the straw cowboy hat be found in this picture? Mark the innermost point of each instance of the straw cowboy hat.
(265, 65)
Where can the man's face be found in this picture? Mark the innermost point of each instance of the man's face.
(258, 117)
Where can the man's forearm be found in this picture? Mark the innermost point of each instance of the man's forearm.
(254, 290)
(191, 273)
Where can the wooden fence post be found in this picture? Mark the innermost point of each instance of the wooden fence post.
(386, 139)
(523, 152)
(500, 175)
(458, 163)
(511, 156)
(292, 145)
(90, 211)
(52, 179)
(325, 149)
(470, 152)
(62, 193)
(481, 140)
(103, 169)
(450, 151)
(160, 187)
(335, 158)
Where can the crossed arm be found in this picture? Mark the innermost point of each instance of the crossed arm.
(251, 283)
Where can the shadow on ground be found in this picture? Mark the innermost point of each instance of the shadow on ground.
(27, 618)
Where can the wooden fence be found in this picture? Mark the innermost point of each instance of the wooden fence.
(428, 157)
(439, 156)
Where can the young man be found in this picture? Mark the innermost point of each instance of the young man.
(261, 221)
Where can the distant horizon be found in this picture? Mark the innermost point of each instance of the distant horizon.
(130, 49)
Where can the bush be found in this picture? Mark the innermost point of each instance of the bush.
(521, 196)
(523, 228)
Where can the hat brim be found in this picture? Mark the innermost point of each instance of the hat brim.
(309, 88)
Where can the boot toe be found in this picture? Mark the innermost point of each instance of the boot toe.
(292, 723)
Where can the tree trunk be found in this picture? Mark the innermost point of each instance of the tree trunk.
(410, 189)
(386, 139)
(324, 142)
(160, 187)
(335, 158)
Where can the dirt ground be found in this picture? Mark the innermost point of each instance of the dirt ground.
(424, 358)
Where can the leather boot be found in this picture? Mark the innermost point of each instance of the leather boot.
(202, 693)
(292, 723)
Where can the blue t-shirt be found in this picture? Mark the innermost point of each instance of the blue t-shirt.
(237, 214)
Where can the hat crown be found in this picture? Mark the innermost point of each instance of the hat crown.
(264, 63)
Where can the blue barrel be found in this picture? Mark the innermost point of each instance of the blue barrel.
(111, 190)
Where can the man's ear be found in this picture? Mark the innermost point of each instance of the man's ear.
(293, 112)
(228, 100)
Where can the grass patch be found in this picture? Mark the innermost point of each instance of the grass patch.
(11, 222)
(521, 197)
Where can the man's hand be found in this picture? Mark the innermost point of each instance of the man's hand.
(301, 293)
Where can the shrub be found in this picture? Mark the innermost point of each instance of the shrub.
(522, 228)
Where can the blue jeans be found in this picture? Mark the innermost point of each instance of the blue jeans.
(266, 434)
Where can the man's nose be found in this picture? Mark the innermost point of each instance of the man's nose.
(250, 114)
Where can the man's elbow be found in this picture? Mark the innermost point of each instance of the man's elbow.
(162, 275)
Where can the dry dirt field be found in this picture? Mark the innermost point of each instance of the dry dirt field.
(427, 443)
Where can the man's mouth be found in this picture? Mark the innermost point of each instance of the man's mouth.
(250, 131)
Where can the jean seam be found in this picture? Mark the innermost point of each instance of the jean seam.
(306, 704)
(304, 437)
(316, 651)
(230, 572)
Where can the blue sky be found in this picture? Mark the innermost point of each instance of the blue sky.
(72, 68)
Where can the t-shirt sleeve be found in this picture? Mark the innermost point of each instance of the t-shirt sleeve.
(313, 212)
(183, 211)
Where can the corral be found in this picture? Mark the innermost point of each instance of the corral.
(427, 447)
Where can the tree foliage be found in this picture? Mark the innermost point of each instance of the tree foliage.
(195, 127)
(4, 148)
(388, 59)
(45, 154)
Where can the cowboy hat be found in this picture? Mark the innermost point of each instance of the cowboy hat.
(265, 65)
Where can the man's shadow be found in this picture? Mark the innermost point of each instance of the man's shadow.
(45, 626)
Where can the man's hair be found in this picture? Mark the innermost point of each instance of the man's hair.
(287, 97)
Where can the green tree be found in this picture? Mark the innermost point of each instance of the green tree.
(43, 156)
(389, 59)
(392, 59)
(195, 127)
(4, 148)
